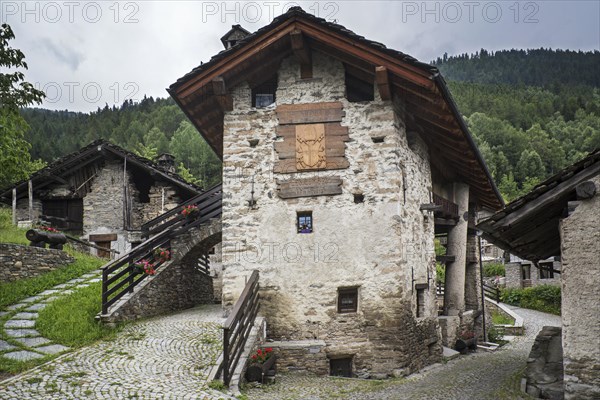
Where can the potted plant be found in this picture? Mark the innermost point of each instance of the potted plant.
(466, 341)
(262, 362)
(190, 211)
(161, 254)
(145, 267)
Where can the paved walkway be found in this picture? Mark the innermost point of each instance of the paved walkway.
(478, 376)
(24, 342)
(161, 358)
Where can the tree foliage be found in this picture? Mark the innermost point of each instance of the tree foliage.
(15, 92)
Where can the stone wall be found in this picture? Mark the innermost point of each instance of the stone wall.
(18, 262)
(514, 275)
(23, 209)
(176, 286)
(301, 355)
(378, 245)
(580, 248)
(544, 372)
(163, 197)
(103, 207)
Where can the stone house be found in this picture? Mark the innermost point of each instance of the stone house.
(101, 193)
(523, 273)
(342, 160)
(560, 217)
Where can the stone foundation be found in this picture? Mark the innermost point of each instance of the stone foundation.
(301, 355)
(18, 262)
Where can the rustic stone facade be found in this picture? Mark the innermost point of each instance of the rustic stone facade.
(378, 245)
(580, 251)
(103, 206)
(18, 262)
(514, 274)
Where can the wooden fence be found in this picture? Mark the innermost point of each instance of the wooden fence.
(237, 328)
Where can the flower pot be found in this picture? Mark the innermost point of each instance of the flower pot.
(257, 371)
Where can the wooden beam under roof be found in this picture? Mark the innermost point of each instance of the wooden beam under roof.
(383, 83)
(302, 53)
(223, 98)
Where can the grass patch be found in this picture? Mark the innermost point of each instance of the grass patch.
(501, 319)
(70, 321)
(8, 232)
(13, 292)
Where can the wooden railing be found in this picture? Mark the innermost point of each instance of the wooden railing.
(449, 209)
(237, 328)
(120, 276)
(174, 216)
(492, 292)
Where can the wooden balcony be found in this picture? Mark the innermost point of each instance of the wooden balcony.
(447, 209)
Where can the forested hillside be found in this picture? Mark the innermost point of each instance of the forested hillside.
(531, 112)
(149, 128)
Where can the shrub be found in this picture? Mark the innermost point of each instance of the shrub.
(545, 298)
(493, 270)
(440, 272)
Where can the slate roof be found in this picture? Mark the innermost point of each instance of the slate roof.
(70, 163)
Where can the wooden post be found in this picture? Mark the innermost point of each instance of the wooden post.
(30, 188)
(14, 206)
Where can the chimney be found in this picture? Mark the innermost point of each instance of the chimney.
(235, 34)
(167, 162)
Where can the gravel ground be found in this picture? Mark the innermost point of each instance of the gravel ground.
(477, 376)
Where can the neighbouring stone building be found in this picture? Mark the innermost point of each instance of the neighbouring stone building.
(342, 160)
(102, 193)
(523, 273)
(561, 217)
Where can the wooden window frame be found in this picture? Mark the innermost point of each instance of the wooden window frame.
(304, 214)
(347, 292)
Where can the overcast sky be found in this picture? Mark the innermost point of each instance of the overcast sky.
(85, 54)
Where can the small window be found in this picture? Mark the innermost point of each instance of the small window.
(304, 222)
(358, 90)
(212, 250)
(263, 95)
(546, 271)
(359, 198)
(526, 271)
(420, 303)
(347, 300)
(340, 367)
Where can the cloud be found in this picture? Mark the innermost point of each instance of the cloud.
(131, 49)
(63, 53)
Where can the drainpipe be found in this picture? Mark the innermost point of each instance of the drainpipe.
(485, 339)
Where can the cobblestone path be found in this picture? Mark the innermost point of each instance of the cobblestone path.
(160, 358)
(474, 377)
(24, 341)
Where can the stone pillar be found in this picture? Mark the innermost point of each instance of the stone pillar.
(580, 279)
(454, 295)
(472, 279)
